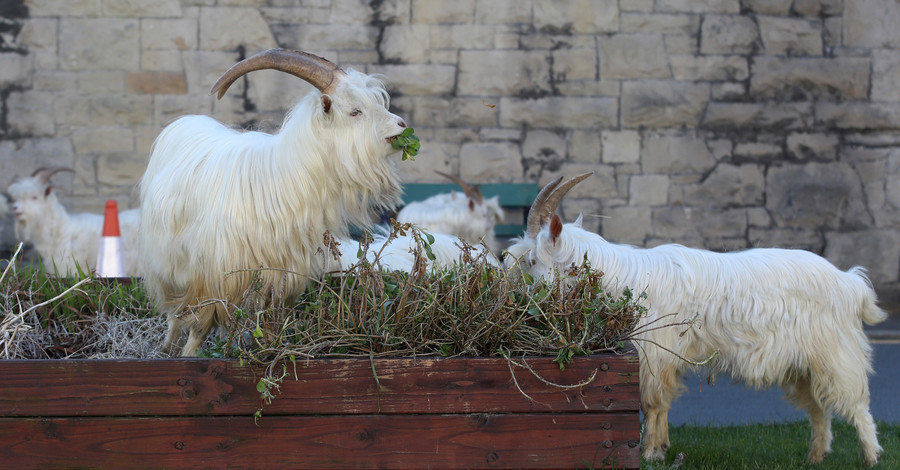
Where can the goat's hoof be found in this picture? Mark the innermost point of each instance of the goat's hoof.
(816, 456)
(871, 460)
(654, 453)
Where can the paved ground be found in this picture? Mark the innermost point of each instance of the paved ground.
(728, 403)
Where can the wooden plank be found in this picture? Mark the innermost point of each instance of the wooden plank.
(347, 442)
(168, 387)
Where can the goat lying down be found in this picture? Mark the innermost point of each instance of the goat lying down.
(775, 317)
(62, 239)
(471, 218)
(220, 203)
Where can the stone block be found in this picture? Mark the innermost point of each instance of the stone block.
(21, 157)
(99, 43)
(790, 36)
(169, 34)
(574, 64)
(877, 250)
(295, 15)
(435, 156)
(352, 12)
(442, 12)
(227, 28)
(501, 72)
(504, 11)
(818, 8)
(648, 190)
(820, 147)
(167, 108)
(121, 110)
(576, 16)
(161, 61)
(64, 8)
(699, 6)
(544, 146)
(727, 91)
(202, 69)
(729, 186)
(621, 146)
(406, 43)
(120, 170)
(729, 34)
(858, 115)
(799, 79)
(41, 35)
(30, 114)
(553, 111)
(709, 68)
(626, 224)
(886, 75)
(769, 7)
(463, 36)
(452, 112)
(666, 154)
(816, 196)
(758, 152)
(633, 56)
(16, 70)
(742, 116)
(871, 24)
(584, 146)
(656, 103)
(431, 80)
(600, 185)
(142, 8)
(102, 140)
(667, 24)
(167, 83)
(490, 162)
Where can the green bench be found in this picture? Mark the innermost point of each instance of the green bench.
(515, 199)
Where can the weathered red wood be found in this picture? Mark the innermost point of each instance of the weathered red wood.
(168, 387)
(569, 440)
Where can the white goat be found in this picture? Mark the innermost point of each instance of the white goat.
(65, 240)
(218, 202)
(399, 253)
(471, 218)
(775, 317)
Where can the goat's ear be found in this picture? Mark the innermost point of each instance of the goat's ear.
(471, 205)
(555, 228)
(326, 103)
(579, 221)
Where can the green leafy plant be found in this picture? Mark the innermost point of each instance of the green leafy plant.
(408, 142)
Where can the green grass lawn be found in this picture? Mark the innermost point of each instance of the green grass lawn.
(772, 446)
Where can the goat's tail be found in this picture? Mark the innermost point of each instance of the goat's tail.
(870, 312)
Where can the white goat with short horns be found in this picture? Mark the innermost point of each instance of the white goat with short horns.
(471, 218)
(65, 240)
(219, 202)
(774, 316)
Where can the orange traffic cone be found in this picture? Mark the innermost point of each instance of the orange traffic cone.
(109, 260)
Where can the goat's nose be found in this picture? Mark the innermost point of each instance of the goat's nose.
(402, 123)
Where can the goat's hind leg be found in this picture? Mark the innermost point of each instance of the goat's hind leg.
(847, 392)
(819, 418)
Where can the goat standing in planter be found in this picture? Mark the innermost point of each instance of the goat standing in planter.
(224, 210)
(774, 316)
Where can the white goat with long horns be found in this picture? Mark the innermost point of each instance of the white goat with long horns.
(471, 218)
(61, 239)
(223, 207)
(770, 316)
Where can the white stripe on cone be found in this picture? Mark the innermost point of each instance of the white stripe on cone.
(109, 260)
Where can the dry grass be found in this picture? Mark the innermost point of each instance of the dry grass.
(472, 309)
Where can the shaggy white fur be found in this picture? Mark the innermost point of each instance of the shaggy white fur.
(221, 207)
(456, 214)
(773, 316)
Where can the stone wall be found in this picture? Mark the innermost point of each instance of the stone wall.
(725, 124)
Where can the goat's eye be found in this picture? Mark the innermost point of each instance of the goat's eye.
(355, 112)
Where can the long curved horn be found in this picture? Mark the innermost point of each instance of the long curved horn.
(43, 174)
(319, 72)
(533, 223)
(553, 201)
(472, 192)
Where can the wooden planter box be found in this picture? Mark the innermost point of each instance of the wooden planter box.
(420, 413)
